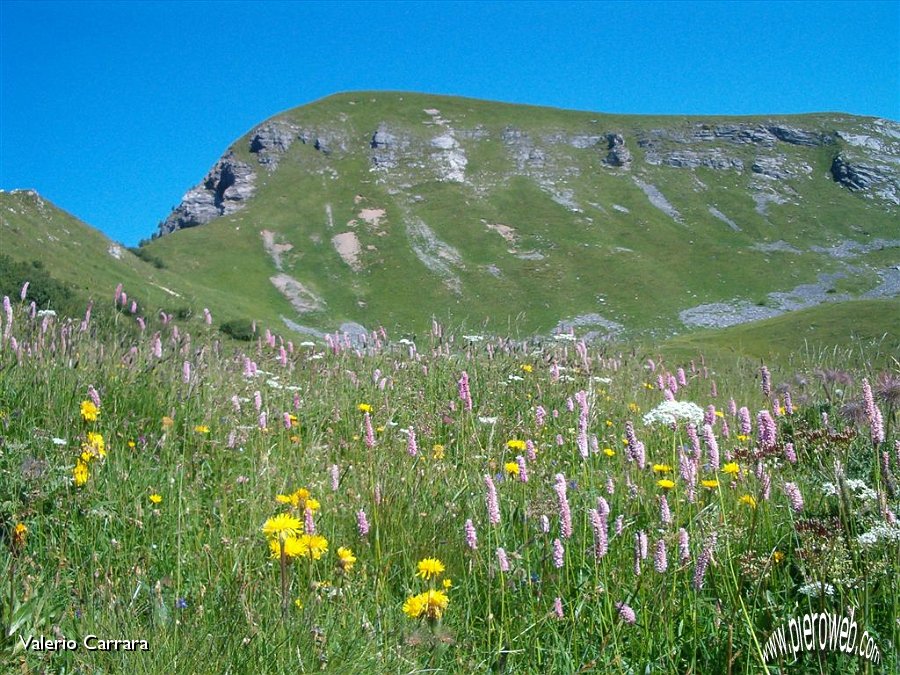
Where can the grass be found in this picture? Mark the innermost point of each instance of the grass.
(193, 574)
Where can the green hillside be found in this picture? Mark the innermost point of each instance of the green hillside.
(390, 208)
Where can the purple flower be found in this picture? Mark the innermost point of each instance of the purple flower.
(309, 525)
(362, 523)
(620, 524)
(471, 536)
(766, 431)
(665, 514)
(493, 506)
(789, 453)
(660, 560)
(744, 418)
(793, 494)
(411, 446)
(186, 372)
(181, 603)
(765, 380)
(684, 547)
(703, 561)
(335, 477)
(523, 469)
(539, 415)
(558, 553)
(601, 538)
(565, 515)
(712, 446)
(558, 608)
(370, 432)
(502, 560)
(626, 613)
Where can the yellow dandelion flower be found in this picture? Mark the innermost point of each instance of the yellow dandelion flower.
(284, 499)
(447, 584)
(89, 411)
(437, 452)
(80, 474)
(511, 468)
(131, 444)
(609, 452)
(282, 526)
(515, 444)
(665, 483)
(719, 413)
(346, 559)
(732, 468)
(95, 444)
(661, 468)
(435, 604)
(312, 504)
(749, 500)
(364, 407)
(743, 438)
(777, 556)
(313, 546)
(155, 498)
(430, 567)
(526, 367)
(414, 606)
(20, 532)
(201, 429)
(712, 483)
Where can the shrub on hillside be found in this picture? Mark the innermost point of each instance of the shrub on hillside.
(239, 329)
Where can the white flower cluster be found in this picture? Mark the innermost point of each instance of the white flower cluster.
(670, 412)
(858, 487)
(816, 588)
(886, 532)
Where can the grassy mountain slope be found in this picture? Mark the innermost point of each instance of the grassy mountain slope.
(514, 215)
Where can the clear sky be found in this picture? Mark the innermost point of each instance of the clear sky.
(114, 109)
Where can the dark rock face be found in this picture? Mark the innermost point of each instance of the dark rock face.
(800, 137)
(386, 147)
(618, 154)
(272, 140)
(226, 187)
(855, 176)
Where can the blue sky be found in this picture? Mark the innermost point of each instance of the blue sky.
(114, 110)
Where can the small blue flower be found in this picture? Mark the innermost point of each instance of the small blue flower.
(181, 603)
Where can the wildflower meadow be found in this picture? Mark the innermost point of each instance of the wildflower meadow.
(172, 500)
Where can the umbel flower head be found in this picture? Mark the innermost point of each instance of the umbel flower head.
(430, 605)
(430, 567)
(282, 526)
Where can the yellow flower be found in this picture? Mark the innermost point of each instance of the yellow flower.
(155, 498)
(313, 546)
(282, 526)
(447, 584)
(80, 473)
(131, 444)
(748, 500)
(437, 452)
(732, 469)
(782, 410)
(526, 367)
(20, 531)
(647, 385)
(665, 483)
(430, 567)
(379, 430)
(293, 547)
(283, 499)
(430, 604)
(719, 413)
(201, 429)
(346, 559)
(89, 411)
(777, 556)
(743, 438)
(364, 407)
(512, 468)
(609, 423)
(634, 407)
(167, 422)
(661, 468)
(312, 504)
(95, 445)
(414, 606)
(298, 603)
(515, 444)
(713, 483)
(609, 452)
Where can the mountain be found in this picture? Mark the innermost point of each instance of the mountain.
(367, 209)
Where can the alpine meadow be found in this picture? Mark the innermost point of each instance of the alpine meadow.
(426, 384)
